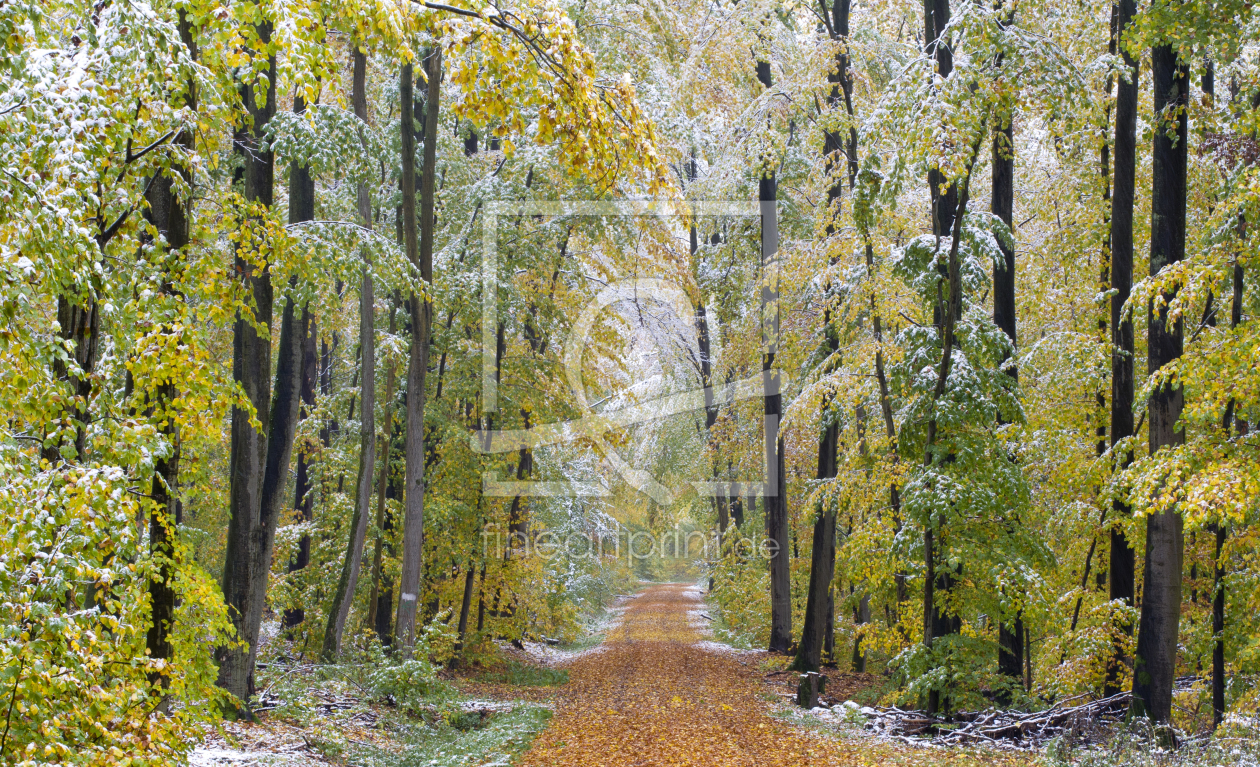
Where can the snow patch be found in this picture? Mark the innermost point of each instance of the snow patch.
(722, 649)
(220, 757)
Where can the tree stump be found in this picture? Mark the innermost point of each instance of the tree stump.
(807, 690)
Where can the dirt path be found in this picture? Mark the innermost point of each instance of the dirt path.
(652, 697)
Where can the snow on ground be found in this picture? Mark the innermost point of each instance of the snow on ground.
(709, 645)
(540, 652)
(203, 756)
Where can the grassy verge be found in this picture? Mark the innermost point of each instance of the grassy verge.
(519, 674)
(495, 741)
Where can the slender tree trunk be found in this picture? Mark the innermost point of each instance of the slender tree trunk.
(946, 208)
(347, 584)
(861, 617)
(818, 603)
(1104, 335)
(774, 501)
(822, 565)
(1155, 664)
(251, 370)
(302, 208)
(1002, 205)
(303, 498)
(705, 362)
(1218, 575)
(466, 605)
(383, 525)
(421, 320)
(172, 219)
(1121, 564)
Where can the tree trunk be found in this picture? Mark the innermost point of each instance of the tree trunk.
(861, 617)
(465, 606)
(818, 605)
(303, 498)
(822, 565)
(349, 580)
(171, 218)
(1002, 205)
(383, 523)
(946, 208)
(773, 499)
(302, 208)
(1218, 575)
(251, 370)
(1121, 565)
(421, 320)
(1155, 663)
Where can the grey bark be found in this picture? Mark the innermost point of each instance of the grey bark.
(421, 321)
(351, 565)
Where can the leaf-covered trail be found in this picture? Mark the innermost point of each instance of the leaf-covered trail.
(652, 697)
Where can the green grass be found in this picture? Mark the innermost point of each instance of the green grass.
(520, 674)
(494, 742)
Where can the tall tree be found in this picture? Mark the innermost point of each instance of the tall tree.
(1155, 664)
(1121, 565)
(251, 370)
(421, 256)
(352, 562)
(301, 209)
(837, 158)
(1240, 428)
(946, 206)
(1002, 205)
(774, 499)
(170, 215)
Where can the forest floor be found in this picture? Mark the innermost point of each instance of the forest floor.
(656, 691)
(659, 693)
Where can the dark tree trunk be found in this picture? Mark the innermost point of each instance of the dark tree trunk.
(818, 606)
(1155, 664)
(282, 425)
(1218, 574)
(172, 219)
(822, 566)
(302, 208)
(466, 605)
(946, 206)
(861, 617)
(352, 562)
(303, 498)
(1002, 205)
(251, 370)
(1121, 564)
(421, 256)
(829, 636)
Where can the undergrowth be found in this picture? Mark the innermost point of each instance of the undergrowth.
(519, 674)
(491, 744)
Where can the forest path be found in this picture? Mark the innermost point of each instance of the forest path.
(651, 696)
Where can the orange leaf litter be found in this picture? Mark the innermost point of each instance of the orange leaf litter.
(653, 698)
